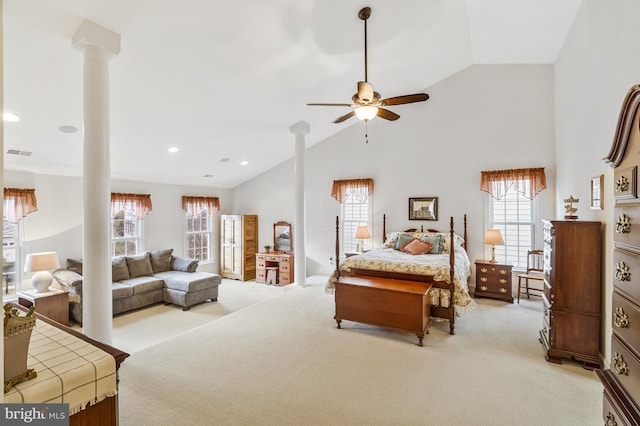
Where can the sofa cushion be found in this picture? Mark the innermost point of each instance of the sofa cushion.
(119, 269)
(75, 265)
(139, 265)
(189, 281)
(120, 291)
(161, 260)
(144, 284)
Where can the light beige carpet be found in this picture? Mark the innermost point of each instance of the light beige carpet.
(282, 361)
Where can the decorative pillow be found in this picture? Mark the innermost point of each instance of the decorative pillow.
(435, 241)
(402, 240)
(417, 247)
(183, 264)
(139, 265)
(75, 265)
(119, 269)
(161, 260)
(67, 277)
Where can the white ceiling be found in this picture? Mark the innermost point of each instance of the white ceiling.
(228, 79)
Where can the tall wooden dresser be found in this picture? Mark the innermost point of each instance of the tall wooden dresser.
(621, 380)
(571, 299)
(239, 245)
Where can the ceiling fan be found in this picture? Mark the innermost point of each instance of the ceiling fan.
(366, 102)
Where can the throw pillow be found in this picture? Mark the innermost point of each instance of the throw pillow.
(402, 240)
(161, 260)
(183, 264)
(139, 265)
(75, 265)
(417, 247)
(119, 269)
(435, 241)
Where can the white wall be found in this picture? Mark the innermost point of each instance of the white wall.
(57, 225)
(483, 118)
(595, 69)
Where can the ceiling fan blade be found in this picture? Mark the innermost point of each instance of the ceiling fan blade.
(316, 104)
(387, 115)
(406, 99)
(344, 117)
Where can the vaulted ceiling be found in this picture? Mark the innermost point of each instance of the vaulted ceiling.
(224, 81)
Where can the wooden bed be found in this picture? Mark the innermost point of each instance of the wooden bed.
(448, 283)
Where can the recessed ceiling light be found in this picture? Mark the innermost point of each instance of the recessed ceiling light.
(244, 163)
(68, 129)
(225, 160)
(9, 116)
(173, 149)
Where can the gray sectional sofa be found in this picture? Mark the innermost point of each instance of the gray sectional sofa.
(144, 279)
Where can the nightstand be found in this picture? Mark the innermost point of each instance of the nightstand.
(52, 304)
(493, 280)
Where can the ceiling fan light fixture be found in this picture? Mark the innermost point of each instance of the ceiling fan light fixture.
(366, 113)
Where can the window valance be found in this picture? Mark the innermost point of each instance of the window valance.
(195, 205)
(19, 202)
(139, 204)
(529, 182)
(359, 188)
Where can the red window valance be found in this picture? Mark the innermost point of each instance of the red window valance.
(195, 205)
(140, 204)
(529, 182)
(19, 202)
(359, 188)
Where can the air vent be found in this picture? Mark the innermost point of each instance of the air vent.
(18, 152)
(208, 176)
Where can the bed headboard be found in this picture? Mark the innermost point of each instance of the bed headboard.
(384, 230)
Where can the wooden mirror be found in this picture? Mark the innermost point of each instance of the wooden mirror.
(282, 238)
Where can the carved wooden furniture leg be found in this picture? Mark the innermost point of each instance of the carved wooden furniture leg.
(338, 321)
(420, 338)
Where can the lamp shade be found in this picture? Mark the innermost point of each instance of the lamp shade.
(493, 237)
(36, 262)
(366, 113)
(362, 233)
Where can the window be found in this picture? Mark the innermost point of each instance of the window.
(355, 212)
(356, 200)
(199, 235)
(126, 233)
(199, 213)
(127, 214)
(514, 215)
(11, 270)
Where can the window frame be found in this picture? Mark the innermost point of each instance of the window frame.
(349, 243)
(210, 235)
(138, 239)
(518, 261)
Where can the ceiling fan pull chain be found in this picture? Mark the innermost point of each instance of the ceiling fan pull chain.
(366, 132)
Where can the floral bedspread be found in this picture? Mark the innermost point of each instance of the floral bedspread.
(390, 260)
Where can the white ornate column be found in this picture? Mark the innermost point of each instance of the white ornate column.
(300, 129)
(98, 45)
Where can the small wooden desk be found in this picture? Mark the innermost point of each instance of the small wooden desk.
(396, 304)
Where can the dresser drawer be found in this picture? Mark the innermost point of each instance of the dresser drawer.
(261, 276)
(626, 273)
(284, 267)
(610, 415)
(487, 270)
(625, 366)
(626, 225)
(626, 320)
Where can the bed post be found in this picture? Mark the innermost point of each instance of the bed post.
(452, 285)
(384, 228)
(337, 247)
(466, 244)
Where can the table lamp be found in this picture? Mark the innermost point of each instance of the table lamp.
(362, 233)
(493, 237)
(41, 264)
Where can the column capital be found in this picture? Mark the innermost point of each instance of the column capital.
(300, 128)
(90, 34)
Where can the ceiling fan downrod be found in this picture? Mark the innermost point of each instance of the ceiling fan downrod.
(364, 14)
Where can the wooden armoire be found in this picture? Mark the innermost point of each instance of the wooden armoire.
(621, 380)
(238, 245)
